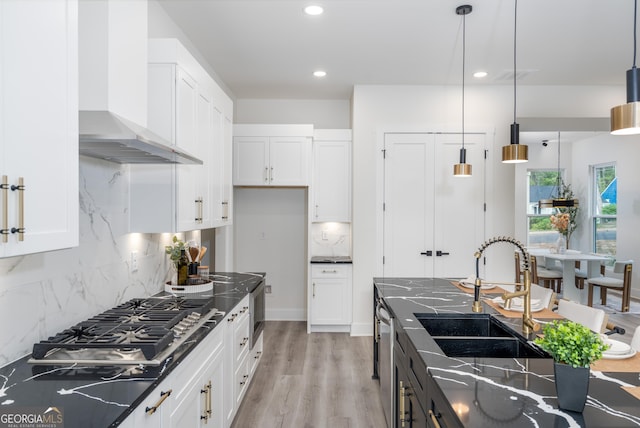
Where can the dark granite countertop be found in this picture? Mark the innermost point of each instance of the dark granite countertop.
(104, 396)
(505, 392)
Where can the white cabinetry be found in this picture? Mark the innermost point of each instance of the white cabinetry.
(331, 183)
(188, 109)
(207, 388)
(237, 362)
(38, 126)
(278, 155)
(330, 297)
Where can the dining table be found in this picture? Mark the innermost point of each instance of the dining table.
(568, 261)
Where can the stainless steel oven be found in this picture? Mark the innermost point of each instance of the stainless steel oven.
(257, 311)
(384, 339)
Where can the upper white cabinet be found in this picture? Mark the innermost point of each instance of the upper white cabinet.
(331, 183)
(38, 126)
(272, 155)
(187, 108)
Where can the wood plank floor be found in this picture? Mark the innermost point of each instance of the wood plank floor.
(312, 381)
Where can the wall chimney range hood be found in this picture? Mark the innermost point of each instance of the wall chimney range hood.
(105, 135)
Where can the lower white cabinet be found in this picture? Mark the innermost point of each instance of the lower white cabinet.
(206, 389)
(330, 297)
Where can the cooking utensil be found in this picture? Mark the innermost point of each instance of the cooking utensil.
(203, 251)
(193, 254)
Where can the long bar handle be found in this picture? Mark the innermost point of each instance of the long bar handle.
(314, 289)
(163, 396)
(5, 212)
(271, 175)
(20, 229)
(266, 174)
(434, 419)
(401, 404)
(207, 402)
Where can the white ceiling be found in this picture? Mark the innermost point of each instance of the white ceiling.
(269, 49)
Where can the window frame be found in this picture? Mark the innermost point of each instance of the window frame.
(594, 198)
(553, 211)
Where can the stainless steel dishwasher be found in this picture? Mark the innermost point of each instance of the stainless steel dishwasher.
(385, 360)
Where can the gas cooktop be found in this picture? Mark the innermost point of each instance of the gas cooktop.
(140, 331)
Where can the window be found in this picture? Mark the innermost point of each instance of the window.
(543, 184)
(604, 191)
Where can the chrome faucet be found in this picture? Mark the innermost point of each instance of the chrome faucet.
(528, 324)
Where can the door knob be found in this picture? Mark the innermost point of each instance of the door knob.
(428, 253)
(440, 253)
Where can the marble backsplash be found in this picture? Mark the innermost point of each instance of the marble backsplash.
(40, 294)
(330, 239)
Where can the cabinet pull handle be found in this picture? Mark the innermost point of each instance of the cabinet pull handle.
(244, 341)
(163, 396)
(316, 211)
(376, 334)
(434, 419)
(207, 402)
(20, 229)
(329, 271)
(266, 174)
(401, 404)
(314, 289)
(5, 215)
(271, 175)
(225, 210)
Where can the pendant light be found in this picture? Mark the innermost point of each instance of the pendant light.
(463, 169)
(558, 202)
(515, 152)
(625, 118)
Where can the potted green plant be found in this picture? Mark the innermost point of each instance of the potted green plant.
(175, 251)
(573, 348)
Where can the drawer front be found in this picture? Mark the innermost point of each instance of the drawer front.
(241, 341)
(330, 271)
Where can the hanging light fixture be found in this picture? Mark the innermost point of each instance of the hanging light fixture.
(625, 118)
(558, 202)
(515, 152)
(463, 169)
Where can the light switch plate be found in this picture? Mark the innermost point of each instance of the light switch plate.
(134, 261)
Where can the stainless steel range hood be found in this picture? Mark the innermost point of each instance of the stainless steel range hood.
(105, 135)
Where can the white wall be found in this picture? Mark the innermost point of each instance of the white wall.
(329, 114)
(424, 107)
(270, 235)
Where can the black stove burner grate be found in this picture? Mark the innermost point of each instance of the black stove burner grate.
(143, 324)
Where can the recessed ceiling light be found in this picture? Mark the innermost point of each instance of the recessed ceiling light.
(480, 74)
(313, 10)
(319, 73)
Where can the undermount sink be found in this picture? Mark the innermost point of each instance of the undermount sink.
(477, 335)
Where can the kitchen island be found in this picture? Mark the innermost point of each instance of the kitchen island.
(482, 392)
(103, 396)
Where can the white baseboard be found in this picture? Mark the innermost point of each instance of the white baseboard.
(286, 315)
(362, 329)
(330, 328)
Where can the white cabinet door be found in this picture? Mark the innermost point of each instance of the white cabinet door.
(433, 221)
(39, 126)
(251, 161)
(170, 198)
(331, 184)
(330, 294)
(271, 161)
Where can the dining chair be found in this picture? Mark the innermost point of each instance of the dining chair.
(635, 340)
(548, 278)
(581, 276)
(607, 282)
(592, 318)
(546, 296)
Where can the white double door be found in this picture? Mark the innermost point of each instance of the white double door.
(433, 221)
